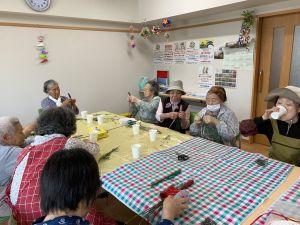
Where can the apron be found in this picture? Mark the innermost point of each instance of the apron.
(285, 149)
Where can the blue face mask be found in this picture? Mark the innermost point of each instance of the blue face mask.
(213, 108)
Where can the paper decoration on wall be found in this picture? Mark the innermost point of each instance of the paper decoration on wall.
(219, 53)
(168, 53)
(226, 79)
(244, 36)
(132, 41)
(43, 53)
(238, 58)
(192, 52)
(166, 25)
(206, 76)
(156, 30)
(145, 32)
(179, 52)
(158, 56)
(206, 51)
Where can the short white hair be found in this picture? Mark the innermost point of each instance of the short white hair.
(7, 126)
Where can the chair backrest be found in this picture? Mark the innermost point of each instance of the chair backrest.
(192, 117)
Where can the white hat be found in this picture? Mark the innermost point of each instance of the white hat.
(290, 92)
(176, 85)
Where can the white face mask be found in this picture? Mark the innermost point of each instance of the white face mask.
(213, 108)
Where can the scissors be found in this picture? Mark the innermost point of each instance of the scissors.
(182, 157)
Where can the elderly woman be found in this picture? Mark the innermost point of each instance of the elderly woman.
(54, 128)
(12, 139)
(216, 122)
(172, 111)
(145, 109)
(54, 99)
(284, 132)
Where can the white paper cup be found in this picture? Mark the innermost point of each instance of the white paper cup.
(136, 148)
(84, 114)
(280, 113)
(152, 134)
(89, 118)
(136, 129)
(93, 137)
(100, 119)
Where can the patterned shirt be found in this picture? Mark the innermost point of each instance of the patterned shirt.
(145, 110)
(227, 129)
(23, 193)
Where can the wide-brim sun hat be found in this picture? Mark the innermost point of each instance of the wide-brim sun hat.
(177, 85)
(290, 92)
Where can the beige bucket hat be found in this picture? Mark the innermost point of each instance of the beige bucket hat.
(176, 85)
(290, 92)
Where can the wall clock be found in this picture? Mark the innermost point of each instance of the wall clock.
(39, 5)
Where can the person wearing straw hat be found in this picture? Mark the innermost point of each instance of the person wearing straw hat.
(172, 111)
(280, 124)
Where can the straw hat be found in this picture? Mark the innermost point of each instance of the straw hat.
(290, 92)
(176, 85)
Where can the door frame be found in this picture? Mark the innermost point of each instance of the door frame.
(259, 19)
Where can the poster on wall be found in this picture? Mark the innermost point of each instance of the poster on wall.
(238, 58)
(192, 52)
(206, 78)
(206, 52)
(158, 55)
(227, 78)
(179, 52)
(168, 53)
(219, 53)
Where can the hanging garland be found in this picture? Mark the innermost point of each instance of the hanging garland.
(248, 23)
(244, 35)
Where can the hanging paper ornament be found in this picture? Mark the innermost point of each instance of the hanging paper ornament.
(145, 32)
(167, 35)
(156, 30)
(43, 53)
(166, 23)
(132, 41)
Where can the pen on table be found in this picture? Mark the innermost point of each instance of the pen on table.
(170, 176)
(69, 96)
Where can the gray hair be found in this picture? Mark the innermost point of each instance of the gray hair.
(47, 83)
(7, 126)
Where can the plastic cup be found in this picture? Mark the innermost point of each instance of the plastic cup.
(280, 113)
(136, 149)
(152, 134)
(93, 137)
(100, 119)
(84, 114)
(136, 129)
(89, 118)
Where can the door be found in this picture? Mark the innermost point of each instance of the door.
(279, 63)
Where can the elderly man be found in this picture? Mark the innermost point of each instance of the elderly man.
(12, 139)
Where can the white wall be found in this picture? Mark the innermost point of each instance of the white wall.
(239, 99)
(97, 68)
(157, 9)
(116, 10)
